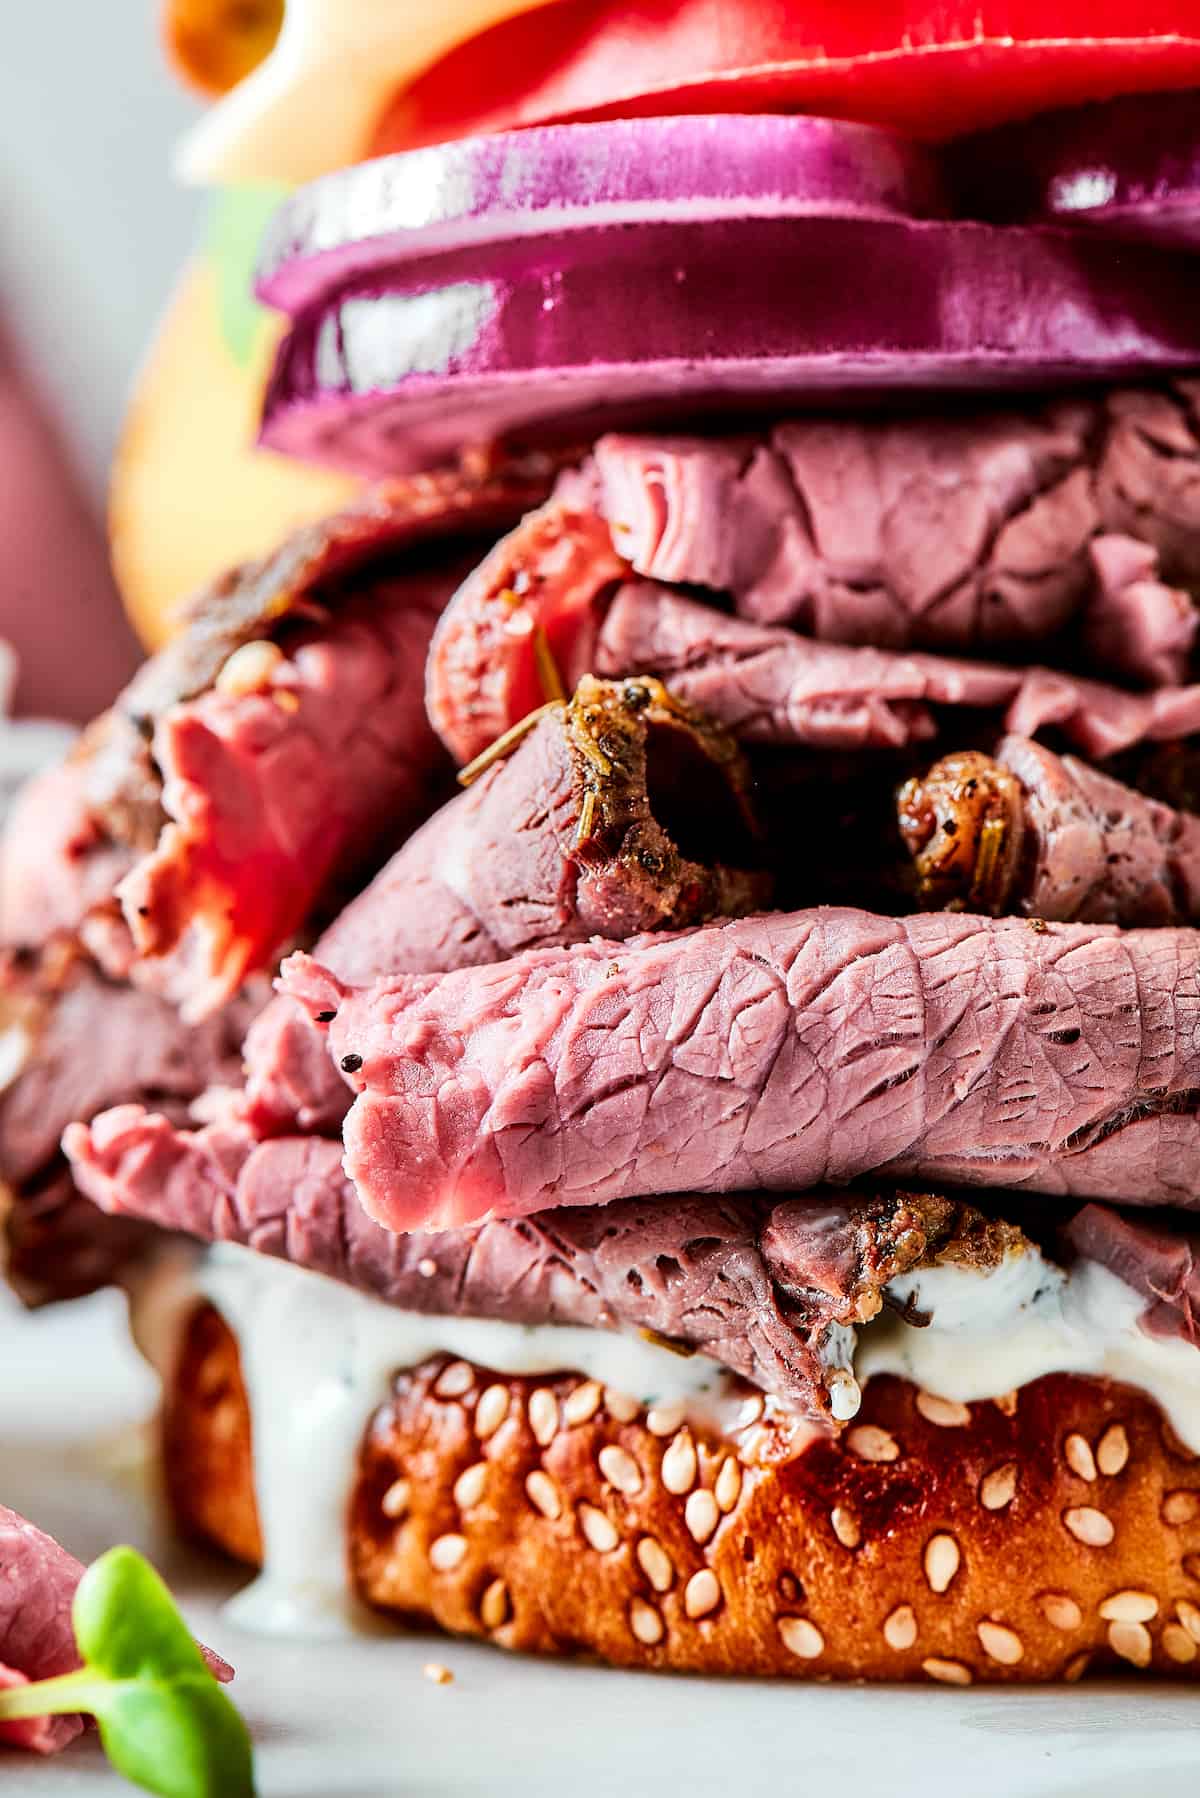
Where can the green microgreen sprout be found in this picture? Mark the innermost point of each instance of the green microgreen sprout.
(164, 1721)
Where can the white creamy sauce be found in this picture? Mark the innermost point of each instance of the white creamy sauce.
(993, 1332)
(318, 1359)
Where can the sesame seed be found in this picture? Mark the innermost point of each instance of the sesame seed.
(750, 1411)
(664, 1420)
(394, 1502)
(1079, 1457)
(436, 1674)
(870, 1443)
(249, 669)
(949, 1673)
(582, 1402)
(426, 1267)
(620, 1469)
(645, 1622)
(446, 1552)
(454, 1380)
(679, 1464)
(1076, 1668)
(599, 1529)
(1112, 1450)
(1060, 1611)
(945, 1412)
(494, 1606)
(1007, 1402)
(655, 1563)
(620, 1405)
(491, 1411)
(1131, 1641)
(1000, 1643)
(1089, 1526)
(728, 1486)
(543, 1493)
(1181, 1507)
(1129, 1607)
(1189, 1615)
(701, 1514)
(543, 1416)
(998, 1488)
(1179, 1644)
(801, 1638)
(900, 1628)
(468, 1487)
(942, 1561)
(846, 1526)
(702, 1593)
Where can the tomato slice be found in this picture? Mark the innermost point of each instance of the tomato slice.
(933, 70)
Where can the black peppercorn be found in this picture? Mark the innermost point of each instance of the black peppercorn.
(351, 1064)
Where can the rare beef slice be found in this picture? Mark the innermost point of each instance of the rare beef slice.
(616, 812)
(262, 757)
(785, 1051)
(552, 601)
(758, 1283)
(1047, 836)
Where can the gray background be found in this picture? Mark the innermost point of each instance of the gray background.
(92, 228)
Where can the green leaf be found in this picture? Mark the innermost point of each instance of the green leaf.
(164, 1721)
(237, 217)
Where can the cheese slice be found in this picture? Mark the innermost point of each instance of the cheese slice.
(310, 105)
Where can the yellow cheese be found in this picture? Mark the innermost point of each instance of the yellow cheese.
(311, 104)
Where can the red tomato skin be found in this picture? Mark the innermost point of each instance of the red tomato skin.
(934, 72)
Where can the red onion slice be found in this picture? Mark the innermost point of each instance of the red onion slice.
(484, 190)
(563, 336)
(1129, 167)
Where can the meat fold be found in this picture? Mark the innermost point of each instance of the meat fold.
(991, 531)
(36, 1637)
(785, 1051)
(758, 1283)
(1160, 1260)
(1047, 836)
(616, 812)
(259, 758)
(551, 596)
(76, 1043)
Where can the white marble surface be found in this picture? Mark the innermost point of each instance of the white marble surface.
(358, 1720)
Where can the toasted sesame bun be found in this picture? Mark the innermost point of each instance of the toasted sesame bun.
(1032, 1538)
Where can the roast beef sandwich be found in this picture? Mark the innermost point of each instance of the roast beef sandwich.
(645, 973)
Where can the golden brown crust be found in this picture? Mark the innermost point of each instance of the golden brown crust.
(1032, 1538)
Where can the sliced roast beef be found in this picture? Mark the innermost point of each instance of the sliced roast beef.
(780, 1051)
(1160, 1260)
(1047, 836)
(617, 812)
(37, 1589)
(75, 1043)
(550, 597)
(756, 1282)
(37, 1638)
(991, 531)
(263, 755)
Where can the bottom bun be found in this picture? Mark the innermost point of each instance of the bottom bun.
(1035, 1537)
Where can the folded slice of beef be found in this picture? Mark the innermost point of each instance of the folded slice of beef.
(1160, 1260)
(779, 1051)
(989, 530)
(761, 1284)
(551, 596)
(1047, 836)
(616, 812)
(76, 1043)
(263, 755)
(37, 1640)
